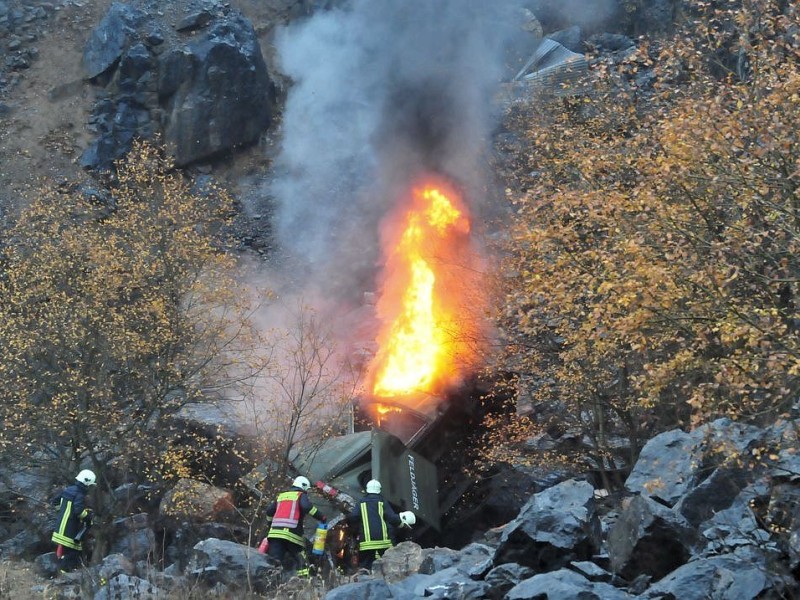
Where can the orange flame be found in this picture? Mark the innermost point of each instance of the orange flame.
(425, 340)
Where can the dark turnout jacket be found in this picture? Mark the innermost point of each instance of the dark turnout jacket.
(285, 515)
(71, 516)
(376, 521)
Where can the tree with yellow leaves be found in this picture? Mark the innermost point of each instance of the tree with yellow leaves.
(116, 310)
(655, 249)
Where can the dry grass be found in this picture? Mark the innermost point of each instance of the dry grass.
(20, 581)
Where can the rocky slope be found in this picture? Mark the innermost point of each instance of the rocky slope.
(687, 524)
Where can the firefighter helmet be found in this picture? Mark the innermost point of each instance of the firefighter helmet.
(373, 486)
(301, 482)
(408, 518)
(86, 477)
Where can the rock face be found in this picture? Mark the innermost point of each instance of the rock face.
(235, 566)
(563, 584)
(203, 85)
(555, 527)
(196, 500)
(725, 576)
(648, 538)
(215, 91)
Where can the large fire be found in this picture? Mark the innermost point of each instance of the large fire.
(427, 301)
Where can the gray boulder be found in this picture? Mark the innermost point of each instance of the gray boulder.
(735, 527)
(110, 38)
(234, 565)
(564, 585)
(222, 98)
(555, 527)
(399, 561)
(137, 544)
(474, 560)
(503, 578)
(127, 586)
(727, 576)
(667, 468)
(571, 38)
(450, 583)
(590, 570)
(113, 565)
(714, 494)
(373, 589)
(46, 565)
(207, 95)
(22, 544)
(648, 538)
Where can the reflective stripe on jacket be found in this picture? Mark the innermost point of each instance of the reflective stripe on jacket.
(287, 512)
(71, 514)
(280, 516)
(375, 519)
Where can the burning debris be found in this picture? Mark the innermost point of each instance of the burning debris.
(427, 303)
(380, 185)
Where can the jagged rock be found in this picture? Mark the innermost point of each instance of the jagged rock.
(207, 96)
(506, 494)
(46, 564)
(110, 38)
(474, 559)
(114, 565)
(503, 578)
(783, 513)
(399, 561)
(223, 97)
(453, 583)
(555, 527)
(736, 526)
(127, 586)
(22, 544)
(564, 585)
(134, 497)
(134, 541)
(196, 20)
(196, 500)
(667, 467)
(592, 571)
(648, 538)
(714, 494)
(373, 589)
(726, 576)
(233, 565)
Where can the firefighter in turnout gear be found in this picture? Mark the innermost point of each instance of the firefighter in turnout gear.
(72, 520)
(376, 521)
(285, 517)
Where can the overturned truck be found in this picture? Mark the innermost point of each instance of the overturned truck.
(416, 454)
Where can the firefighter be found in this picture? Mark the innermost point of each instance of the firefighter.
(376, 521)
(72, 520)
(285, 517)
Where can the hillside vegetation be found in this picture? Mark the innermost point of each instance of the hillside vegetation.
(654, 251)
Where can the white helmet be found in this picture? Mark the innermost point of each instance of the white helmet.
(301, 482)
(86, 477)
(408, 518)
(373, 486)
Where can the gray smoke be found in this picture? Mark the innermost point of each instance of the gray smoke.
(382, 90)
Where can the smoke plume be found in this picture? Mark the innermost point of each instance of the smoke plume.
(381, 90)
